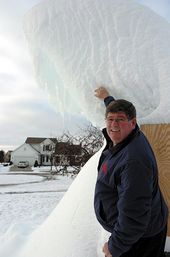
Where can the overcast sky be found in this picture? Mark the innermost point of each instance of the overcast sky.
(24, 107)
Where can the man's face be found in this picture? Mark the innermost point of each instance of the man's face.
(118, 126)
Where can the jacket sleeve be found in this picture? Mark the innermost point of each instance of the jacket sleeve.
(108, 100)
(134, 207)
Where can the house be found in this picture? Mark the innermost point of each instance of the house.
(47, 150)
(67, 154)
(35, 149)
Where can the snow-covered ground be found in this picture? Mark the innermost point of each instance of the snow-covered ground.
(26, 201)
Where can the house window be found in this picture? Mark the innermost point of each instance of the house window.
(47, 147)
(47, 158)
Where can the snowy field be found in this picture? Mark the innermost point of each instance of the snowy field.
(27, 200)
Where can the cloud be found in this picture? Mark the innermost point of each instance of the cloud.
(25, 110)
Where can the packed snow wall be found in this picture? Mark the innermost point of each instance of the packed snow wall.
(80, 44)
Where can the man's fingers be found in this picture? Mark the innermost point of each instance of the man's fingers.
(101, 92)
(97, 92)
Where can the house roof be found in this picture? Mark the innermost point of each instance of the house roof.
(22, 146)
(65, 148)
(38, 140)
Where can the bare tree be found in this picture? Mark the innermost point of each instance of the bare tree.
(88, 142)
(91, 139)
(2, 156)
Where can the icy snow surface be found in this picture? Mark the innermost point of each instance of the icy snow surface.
(79, 44)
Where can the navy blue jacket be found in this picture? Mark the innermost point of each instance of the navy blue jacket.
(128, 202)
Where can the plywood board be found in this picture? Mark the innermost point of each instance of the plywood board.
(159, 138)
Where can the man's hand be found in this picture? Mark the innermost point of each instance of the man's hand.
(106, 250)
(101, 92)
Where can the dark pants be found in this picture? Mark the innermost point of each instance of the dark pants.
(148, 247)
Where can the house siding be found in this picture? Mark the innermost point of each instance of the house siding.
(25, 153)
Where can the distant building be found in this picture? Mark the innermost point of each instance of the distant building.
(47, 150)
(67, 154)
(35, 149)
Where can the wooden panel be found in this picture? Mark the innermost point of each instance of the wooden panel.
(159, 138)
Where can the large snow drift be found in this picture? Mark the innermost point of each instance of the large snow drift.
(79, 44)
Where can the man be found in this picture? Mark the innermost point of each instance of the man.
(128, 202)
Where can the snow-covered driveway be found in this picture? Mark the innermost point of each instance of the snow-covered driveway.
(28, 198)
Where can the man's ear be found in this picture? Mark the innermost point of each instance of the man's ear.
(133, 123)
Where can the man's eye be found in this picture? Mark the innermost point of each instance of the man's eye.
(110, 120)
